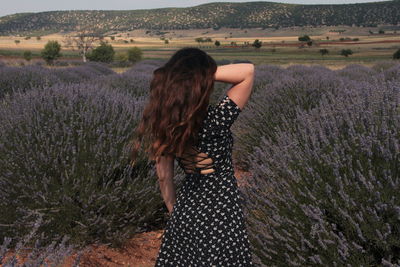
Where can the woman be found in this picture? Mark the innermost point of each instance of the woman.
(206, 225)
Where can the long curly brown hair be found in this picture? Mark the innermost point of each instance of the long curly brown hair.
(179, 97)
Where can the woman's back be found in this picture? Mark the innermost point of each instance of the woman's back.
(207, 226)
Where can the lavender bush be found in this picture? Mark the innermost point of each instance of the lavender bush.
(135, 81)
(296, 87)
(324, 187)
(51, 255)
(33, 76)
(64, 151)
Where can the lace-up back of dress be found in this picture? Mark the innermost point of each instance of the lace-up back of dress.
(213, 151)
(195, 161)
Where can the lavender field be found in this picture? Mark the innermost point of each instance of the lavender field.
(321, 148)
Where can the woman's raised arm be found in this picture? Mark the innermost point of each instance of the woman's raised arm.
(241, 75)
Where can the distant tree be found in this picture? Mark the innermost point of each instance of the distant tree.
(257, 44)
(324, 51)
(51, 52)
(310, 43)
(346, 52)
(233, 43)
(208, 39)
(381, 32)
(27, 38)
(217, 43)
(166, 41)
(82, 42)
(17, 41)
(103, 53)
(199, 39)
(304, 38)
(132, 41)
(27, 55)
(396, 54)
(135, 54)
(121, 57)
(327, 37)
(112, 38)
(38, 38)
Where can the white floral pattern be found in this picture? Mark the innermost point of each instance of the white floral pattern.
(207, 226)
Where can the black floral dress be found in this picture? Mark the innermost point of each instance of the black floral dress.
(207, 226)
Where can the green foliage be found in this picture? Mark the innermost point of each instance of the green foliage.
(396, 54)
(17, 41)
(81, 181)
(27, 55)
(166, 41)
(135, 54)
(304, 38)
(324, 51)
(51, 52)
(257, 43)
(215, 15)
(346, 52)
(121, 57)
(103, 53)
(217, 43)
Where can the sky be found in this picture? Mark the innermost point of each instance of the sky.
(18, 6)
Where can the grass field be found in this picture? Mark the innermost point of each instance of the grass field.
(280, 47)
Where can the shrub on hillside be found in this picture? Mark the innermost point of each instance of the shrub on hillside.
(346, 52)
(51, 52)
(396, 55)
(27, 55)
(324, 191)
(103, 53)
(64, 151)
(135, 54)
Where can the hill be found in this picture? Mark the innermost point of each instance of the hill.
(211, 15)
